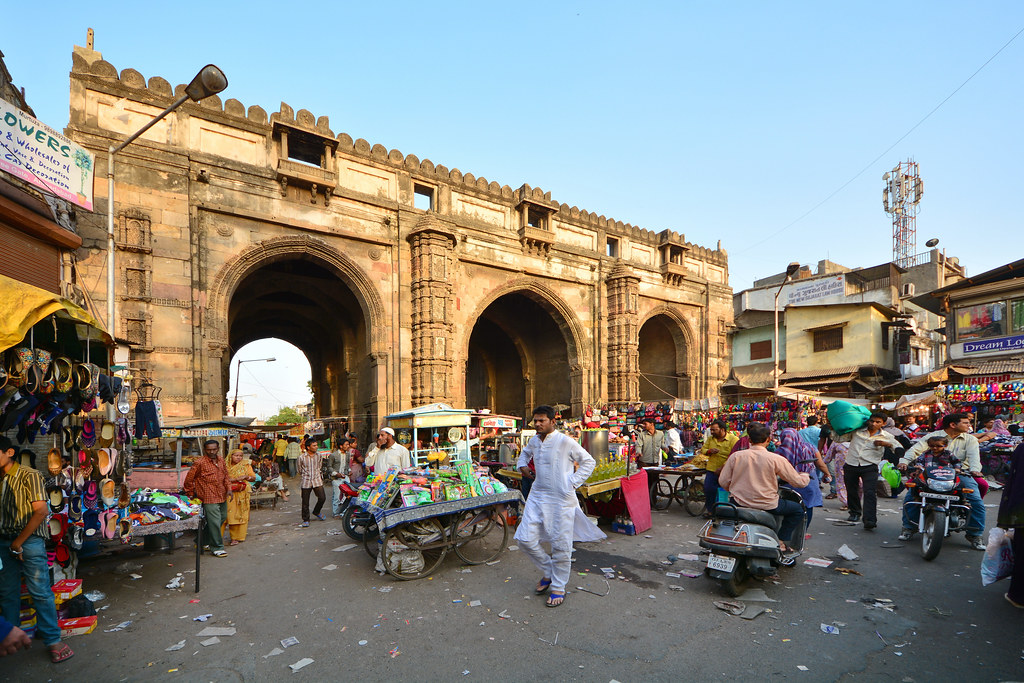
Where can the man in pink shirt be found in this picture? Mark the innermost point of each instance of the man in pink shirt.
(752, 478)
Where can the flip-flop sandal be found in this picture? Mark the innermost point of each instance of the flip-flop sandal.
(560, 597)
(60, 653)
(542, 586)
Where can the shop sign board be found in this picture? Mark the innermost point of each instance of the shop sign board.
(988, 379)
(36, 153)
(984, 347)
(498, 422)
(196, 433)
(817, 289)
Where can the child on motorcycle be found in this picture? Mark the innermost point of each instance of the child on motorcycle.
(937, 455)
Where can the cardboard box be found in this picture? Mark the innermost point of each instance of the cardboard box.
(66, 589)
(77, 627)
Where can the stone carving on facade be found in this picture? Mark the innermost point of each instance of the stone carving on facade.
(433, 244)
(623, 329)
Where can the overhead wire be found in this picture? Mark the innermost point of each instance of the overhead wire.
(884, 152)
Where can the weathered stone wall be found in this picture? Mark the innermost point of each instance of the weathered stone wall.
(215, 192)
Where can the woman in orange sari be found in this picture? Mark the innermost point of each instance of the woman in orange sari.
(240, 475)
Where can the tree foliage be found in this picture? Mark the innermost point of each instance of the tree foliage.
(286, 415)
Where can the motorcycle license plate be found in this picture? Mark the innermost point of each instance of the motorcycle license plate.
(939, 496)
(721, 563)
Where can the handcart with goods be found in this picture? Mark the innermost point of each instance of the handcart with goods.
(413, 541)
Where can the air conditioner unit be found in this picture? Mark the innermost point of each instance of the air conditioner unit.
(909, 289)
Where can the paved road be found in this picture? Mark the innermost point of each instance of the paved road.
(945, 625)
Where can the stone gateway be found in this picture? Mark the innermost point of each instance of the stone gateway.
(402, 281)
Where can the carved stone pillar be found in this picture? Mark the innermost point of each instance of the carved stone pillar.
(433, 256)
(623, 335)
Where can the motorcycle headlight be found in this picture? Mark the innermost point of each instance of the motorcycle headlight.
(941, 484)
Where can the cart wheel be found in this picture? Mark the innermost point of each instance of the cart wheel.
(693, 496)
(414, 550)
(479, 535)
(662, 494)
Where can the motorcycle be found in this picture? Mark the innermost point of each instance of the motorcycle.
(744, 542)
(357, 522)
(941, 504)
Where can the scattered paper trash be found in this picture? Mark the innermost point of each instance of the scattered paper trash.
(690, 575)
(217, 631)
(817, 562)
(511, 547)
(363, 642)
(674, 575)
(135, 577)
(847, 553)
(474, 603)
(394, 652)
(846, 571)
(305, 661)
(177, 646)
(735, 608)
(289, 641)
(96, 596)
(757, 595)
(673, 587)
(202, 617)
(120, 627)
(503, 614)
(329, 568)
(209, 641)
(688, 556)
(463, 570)
(801, 667)
(343, 548)
(752, 612)
(174, 583)
(273, 653)
(384, 589)
(830, 629)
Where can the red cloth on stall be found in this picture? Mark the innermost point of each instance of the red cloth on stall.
(638, 500)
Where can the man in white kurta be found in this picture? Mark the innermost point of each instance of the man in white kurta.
(552, 512)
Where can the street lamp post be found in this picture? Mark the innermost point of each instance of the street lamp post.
(790, 270)
(238, 377)
(209, 81)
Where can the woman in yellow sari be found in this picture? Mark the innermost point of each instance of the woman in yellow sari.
(240, 474)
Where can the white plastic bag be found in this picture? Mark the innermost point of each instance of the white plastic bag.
(998, 561)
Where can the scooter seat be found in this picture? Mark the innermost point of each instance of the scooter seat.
(761, 517)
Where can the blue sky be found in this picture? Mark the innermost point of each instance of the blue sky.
(723, 121)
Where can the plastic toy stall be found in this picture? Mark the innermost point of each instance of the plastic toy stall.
(433, 433)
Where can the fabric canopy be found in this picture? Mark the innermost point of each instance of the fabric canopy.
(22, 306)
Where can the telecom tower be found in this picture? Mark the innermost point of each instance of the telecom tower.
(900, 199)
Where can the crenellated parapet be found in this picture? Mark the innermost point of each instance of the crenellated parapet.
(158, 91)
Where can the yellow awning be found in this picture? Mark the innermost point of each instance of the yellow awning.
(22, 306)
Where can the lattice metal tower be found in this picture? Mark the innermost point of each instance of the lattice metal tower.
(900, 199)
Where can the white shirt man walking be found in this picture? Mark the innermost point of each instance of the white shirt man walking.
(551, 509)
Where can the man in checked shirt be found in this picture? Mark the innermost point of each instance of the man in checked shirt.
(208, 481)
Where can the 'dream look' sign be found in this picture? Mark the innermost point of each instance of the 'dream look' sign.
(43, 157)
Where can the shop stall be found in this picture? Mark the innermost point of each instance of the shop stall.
(435, 433)
(166, 464)
(489, 431)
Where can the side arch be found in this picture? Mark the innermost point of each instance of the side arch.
(684, 339)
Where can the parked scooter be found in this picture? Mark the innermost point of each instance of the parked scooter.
(941, 505)
(744, 542)
(356, 521)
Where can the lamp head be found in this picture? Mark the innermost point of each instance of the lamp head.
(933, 242)
(209, 81)
(792, 268)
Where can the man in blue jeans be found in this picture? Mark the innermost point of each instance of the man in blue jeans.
(23, 550)
(956, 427)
